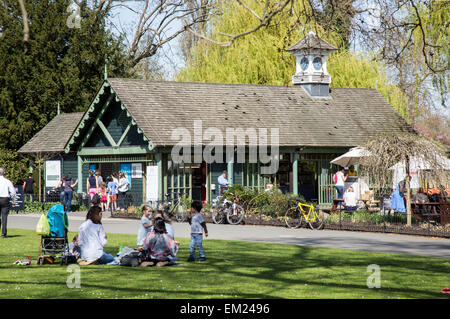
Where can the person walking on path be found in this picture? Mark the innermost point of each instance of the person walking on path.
(198, 224)
(112, 194)
(99, 177)
(67, 194)
(122, 189)
(28, 187)
(92, 184)
(7, 191)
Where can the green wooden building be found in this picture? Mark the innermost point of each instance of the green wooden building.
(130, 126)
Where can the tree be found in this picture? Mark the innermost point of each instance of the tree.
(388, 150)
(16, 167)
(260, 57)
(60, 64)
(411, 37)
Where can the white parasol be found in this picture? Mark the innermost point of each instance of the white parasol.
(352, 157)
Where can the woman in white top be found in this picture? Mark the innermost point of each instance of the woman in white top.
(122, 190)
(340, 183)
(350, 199)
(92, 238)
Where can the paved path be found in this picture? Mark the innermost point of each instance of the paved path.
(375, 242)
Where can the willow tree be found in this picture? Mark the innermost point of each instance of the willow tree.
(388, 150)
(260, 57)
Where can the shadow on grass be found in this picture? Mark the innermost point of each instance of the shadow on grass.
(234, 268)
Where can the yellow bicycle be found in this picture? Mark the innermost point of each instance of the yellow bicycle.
(300, 213)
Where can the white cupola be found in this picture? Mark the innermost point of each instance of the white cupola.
(311, 61)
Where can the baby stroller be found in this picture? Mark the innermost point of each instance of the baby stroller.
(55, 244)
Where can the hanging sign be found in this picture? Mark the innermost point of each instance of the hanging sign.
(136, 170)
(52, 173)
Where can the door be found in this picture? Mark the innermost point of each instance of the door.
(152, 183)
(307, 179)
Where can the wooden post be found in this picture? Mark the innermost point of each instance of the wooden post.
(295, 173)
(80, 174)
(160, 176)
(230, 172)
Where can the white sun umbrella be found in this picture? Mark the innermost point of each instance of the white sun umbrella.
(416, 164)
(352, 157)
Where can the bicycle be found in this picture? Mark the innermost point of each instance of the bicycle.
(297, 215)
(228, 210)
(219, 216)
(176, 209)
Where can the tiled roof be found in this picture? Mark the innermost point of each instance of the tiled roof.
(54, 136)
(311, 41)
(348, 119)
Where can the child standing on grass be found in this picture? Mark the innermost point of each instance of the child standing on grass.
(198, 224)
(145, 226)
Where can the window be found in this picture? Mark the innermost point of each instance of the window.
(317, 62)
(304, 63)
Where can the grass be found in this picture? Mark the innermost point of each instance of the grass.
(234, 269)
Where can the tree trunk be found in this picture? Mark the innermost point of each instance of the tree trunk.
(40, 180)
(26, 26)
(408, 194)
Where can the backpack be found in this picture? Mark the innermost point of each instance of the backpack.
(335, 178)
(132, 259)
(96, 199)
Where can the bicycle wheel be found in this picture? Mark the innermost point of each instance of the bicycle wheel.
(235, 214)
(315, 220)
(219, 216)
(293, 218)
(181, 212)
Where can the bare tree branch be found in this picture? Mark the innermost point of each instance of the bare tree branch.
(26, 26)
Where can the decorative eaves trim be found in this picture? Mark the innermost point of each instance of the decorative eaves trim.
(92, 108)
(86, 116)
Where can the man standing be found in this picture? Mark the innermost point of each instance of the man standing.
(28, 187)
(223, 182)
(7, 190)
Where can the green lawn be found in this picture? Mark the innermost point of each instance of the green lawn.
(234, 269)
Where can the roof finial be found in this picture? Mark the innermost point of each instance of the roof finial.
(106, 72)
(58, 110)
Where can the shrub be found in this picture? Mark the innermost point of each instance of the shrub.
(273, 203)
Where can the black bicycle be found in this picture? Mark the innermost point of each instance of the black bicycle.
(227, 210)
(174, 207)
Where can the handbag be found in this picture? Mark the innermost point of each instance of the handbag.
(43, 226)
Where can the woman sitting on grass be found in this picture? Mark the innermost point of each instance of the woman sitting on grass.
(167, 223)
(161, 248)
(92, 239)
